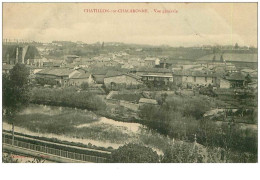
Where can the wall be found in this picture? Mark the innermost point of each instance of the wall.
(197, 80)
(224, 84)
(77, 82)
(123, 79)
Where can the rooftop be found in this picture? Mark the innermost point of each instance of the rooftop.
(157, 75)
(153, 70)
(56, 71)
(236, 77)
(80, 75)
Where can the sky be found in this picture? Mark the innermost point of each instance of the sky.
(191, 24)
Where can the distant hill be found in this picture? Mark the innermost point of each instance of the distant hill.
(242, 57)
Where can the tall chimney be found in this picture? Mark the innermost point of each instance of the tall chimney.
(16, 56)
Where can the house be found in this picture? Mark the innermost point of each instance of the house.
(151, 62)
(231, 69)
(165, 63)
(157, 79)
(145, 70)
(71, 58)
(237, 80)
(58, 63)
(251, 72)
(135, 62)
(6, 68)
(127, 66)
(55, 76)
(195, 78)
(99, 78)
(78, 78)
(224, 84)
(122, 80)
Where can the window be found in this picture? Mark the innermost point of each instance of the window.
(150, 78)
(144, 78)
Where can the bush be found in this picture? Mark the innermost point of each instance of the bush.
(183, 153)
(134, 153)
(84, 86)
(181, 118)
(68, 97)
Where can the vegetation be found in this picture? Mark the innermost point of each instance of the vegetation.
(67, 123)
(182, 118)
(15, 92)
(133, 97)
(8, 158)
(67, 97)
(183, 153)
(134, 153)
(84, 86)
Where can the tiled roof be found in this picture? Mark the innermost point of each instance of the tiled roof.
(99, 78)
(80, 76)
(157, 75)
(153, 70)
(236, 76)
(56, 71)
(113, 73)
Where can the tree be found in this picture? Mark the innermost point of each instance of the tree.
(214, 58)
(236, 46)
(221, 58)
(15, 92)
(84, 86)
(183, 153)
(134, 153)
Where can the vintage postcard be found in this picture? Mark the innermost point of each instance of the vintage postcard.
(129, 83)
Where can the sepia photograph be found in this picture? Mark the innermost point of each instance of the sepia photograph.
(129, 82)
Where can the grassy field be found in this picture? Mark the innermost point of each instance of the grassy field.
(128, 97)
(67, 123)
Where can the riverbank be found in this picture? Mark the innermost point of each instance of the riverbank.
(83, 127)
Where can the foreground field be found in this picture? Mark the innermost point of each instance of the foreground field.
(81, 126)
(84, 127)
